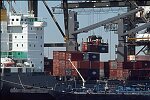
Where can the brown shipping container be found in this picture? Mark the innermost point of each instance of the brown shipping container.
(120, 74)
(101, 65)
(128, 65)
(113, 64)
(84, 73)
(84, 46)
(119, 65)
(146, 64)
(74, 73)
(95, 64)
(113, 74)
(126, 73)
(74, 56)
(70, 66)
(142, 58)
(137, 65)
(84, 64)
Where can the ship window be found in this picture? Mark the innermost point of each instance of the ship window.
(18, 53)
(34, 45)
(17, 19)
(31, 28)
(41, 45)
(36, 37)
(22, 45)
(12, 19)
(41, 28)
(30, 45)
(15, 36)
(25, 19)
(41, 37)
(31, 61)
(32, 65)
(17, 45)
(7, 70)
(41, 62)
(21, 19)
(41, 53)
(22, 36)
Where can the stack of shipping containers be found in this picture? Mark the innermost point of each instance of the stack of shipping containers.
(87, 63)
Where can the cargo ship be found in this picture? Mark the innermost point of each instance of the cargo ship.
(77, 75)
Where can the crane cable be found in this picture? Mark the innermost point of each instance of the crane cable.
(54, 19)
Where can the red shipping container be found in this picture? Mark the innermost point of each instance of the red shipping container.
(84, 64)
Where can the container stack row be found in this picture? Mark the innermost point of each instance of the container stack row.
(87, 63)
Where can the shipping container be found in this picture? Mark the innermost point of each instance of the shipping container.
(101, 73)
(101, 65)
(146, 64)
(113, 74)
(92, 48)
(119, 65)
(106, 69)
(84, 73)
(85, 46)
(93, 74)
(142, 58)
(113, 64)
(126, 74)
(84, 64)
(74, 73)
(103, 49)
(137, 65)
(128, 65)
(95, 64)
(74, 56)
(91, 56)
(120, 74)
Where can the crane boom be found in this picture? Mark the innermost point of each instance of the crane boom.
(99, 24)
(54, 19)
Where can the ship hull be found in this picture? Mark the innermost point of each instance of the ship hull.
(72, 96)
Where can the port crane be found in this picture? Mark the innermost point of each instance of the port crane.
(129, 32)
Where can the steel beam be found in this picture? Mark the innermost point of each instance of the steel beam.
(135, 30)
(54, 44)
(105, 3)
(109, 20)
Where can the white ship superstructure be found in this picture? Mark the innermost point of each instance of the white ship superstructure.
(22, 39)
